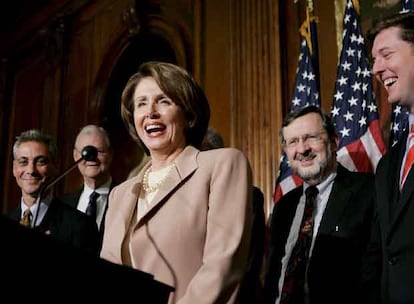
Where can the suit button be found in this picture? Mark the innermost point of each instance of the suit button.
(392, 261)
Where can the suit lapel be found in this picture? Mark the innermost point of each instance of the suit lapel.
(395, 202)
(402, 198)
(337, 201)
(102, 224)
(15, 214)
(185, 165)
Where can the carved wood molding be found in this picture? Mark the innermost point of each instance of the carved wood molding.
(256, 89)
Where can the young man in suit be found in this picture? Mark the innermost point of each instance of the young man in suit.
(33, 165)
(96, 175)
(316, 245)
(393, 55)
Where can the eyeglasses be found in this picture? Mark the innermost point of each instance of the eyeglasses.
(310, 139)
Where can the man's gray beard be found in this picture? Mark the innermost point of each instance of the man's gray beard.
(317, 172)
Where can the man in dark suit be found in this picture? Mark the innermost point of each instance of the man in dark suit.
(34, 163)
(392, 50)
(337, 228)
(96, 175)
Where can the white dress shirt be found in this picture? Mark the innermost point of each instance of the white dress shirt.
(324, 189)
(101, 201)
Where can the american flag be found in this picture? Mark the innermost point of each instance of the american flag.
(407, 5)
(306, 92)
(354, 110)
(399, 114)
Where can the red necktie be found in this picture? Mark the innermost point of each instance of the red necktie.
(409, 159)
(293, 290)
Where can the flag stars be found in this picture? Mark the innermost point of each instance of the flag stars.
(344, 132)
(356, 86)
(301, 88)
(311, 76)
(305, 74)
(350, 52)
(364, 104)
(366, 73)
(353, 38)
(296, 101)
(346, 66)
(347, 18)
(335, 111)
(396, 127)
(349, 116)
(360, 39)
(397, 110)
(363, 121)
(372, 107)
(352, 101)
(338, 95)
(342, 80)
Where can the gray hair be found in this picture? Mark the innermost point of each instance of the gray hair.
(94, 129)
(37, 136)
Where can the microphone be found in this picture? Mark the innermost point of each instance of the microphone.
(88, 153)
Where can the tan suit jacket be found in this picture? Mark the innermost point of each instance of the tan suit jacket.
(195, 236)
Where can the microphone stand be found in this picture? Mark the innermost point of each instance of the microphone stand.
(89, 153)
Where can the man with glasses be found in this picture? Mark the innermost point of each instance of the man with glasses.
(320, 230)
(92, 197)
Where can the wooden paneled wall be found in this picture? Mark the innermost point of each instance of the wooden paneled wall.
(256, 105)
(64, 67)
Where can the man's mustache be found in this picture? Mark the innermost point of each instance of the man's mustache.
(308, 154)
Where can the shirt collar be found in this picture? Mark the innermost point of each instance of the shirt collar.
(104, 189)
(322, 186)
(46, 200)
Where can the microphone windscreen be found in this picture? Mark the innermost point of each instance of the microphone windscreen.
(89, 153)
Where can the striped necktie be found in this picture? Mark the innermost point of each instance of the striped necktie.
(409, 159)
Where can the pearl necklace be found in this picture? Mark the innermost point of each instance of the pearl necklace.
(145, 182)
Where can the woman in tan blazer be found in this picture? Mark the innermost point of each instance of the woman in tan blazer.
(186, 217)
